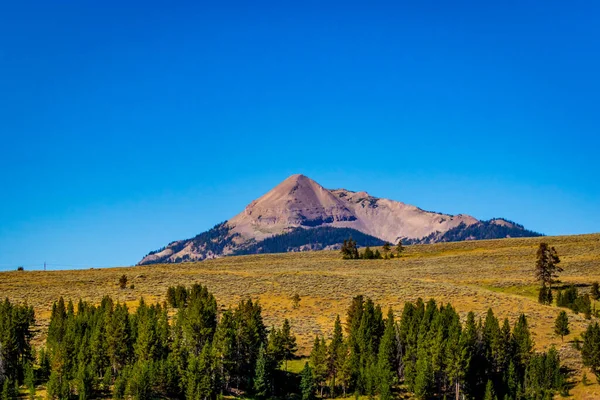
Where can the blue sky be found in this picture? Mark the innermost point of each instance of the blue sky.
(126, 127)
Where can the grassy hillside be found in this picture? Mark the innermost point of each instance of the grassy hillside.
(471, 275)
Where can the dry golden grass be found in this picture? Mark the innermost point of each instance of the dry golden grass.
(471, 275)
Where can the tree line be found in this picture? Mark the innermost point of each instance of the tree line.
(197, 353)
(349, 251)
(433, 354)
(187, 348)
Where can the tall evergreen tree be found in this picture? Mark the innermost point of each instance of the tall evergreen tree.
(387, 358)
(318, 361)
(490, 394)
(423, 384)
(386, 250)
(224, 348)
(336, 354)
(288, 342)
(307, 383)
(546, 266)
(263, 378)
(590, 351)
(523, 344)
(201, 379)
(561, 325)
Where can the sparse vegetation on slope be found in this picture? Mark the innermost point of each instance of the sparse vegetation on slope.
(212, 242)
(472, 275)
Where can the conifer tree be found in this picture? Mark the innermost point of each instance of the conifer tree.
(307, 383)
(457, 356)
(386, 249)
(546, 266)
(118, 337)
(30, 380)
(367, 254)
(523, 343)
(545, 295)
(490, 394)
(224, 345)
(424, 377)
(123, 281)
(399, 248)
(9, 390)
(288, 342)
(85, 382)
(335, 353)
(200, 380)
(275, 346)
(387, 358)
(250, 336)
(199, 318)
(263, 378)
(590, 351)
(561, 325)
(139, 384)
(349, 250)
(318, 361)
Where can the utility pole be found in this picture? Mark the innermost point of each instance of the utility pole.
(44, 265)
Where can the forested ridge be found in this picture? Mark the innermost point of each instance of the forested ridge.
(313, 239)
(478, 231)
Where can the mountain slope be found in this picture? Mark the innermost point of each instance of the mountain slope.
(279, 220)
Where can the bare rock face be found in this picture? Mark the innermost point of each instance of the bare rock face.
(299, 203)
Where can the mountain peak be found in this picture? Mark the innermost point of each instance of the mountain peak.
(297, 201)
(297, 178)
(301, 211)
(294, 183)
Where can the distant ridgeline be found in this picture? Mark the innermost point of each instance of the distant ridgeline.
(478, 231)
(219, 240)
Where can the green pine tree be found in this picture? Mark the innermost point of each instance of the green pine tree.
(561, 325)
(9, 390)
(30, 380)
(263, 378)
(318, 361)
(423, 384)
(307, 383)
(387, 358)
(335, 354)
(590, 351)
(288, 342)
(489, 391)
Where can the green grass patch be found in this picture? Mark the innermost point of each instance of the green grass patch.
(530, 291)
(295, 366)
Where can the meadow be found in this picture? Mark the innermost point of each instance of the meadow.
(472, 276)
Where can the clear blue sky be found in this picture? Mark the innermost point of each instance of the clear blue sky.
(127, 126)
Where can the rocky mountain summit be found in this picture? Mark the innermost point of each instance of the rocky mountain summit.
(299, 214)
